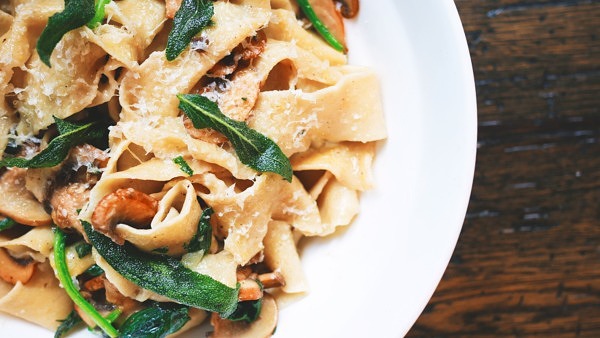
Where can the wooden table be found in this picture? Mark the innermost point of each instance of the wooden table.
(528, 260)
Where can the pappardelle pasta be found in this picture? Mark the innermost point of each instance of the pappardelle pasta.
(162, 159)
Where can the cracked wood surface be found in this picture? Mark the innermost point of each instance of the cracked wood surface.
(528, 260)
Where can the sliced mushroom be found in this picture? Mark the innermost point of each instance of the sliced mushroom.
(18, 203)
(240, 56)
(126, 304)
(349, 8)
(249, 290)
(243, 272)
(86, 155)
(330, 17)
(39, 181)
(125, 205)
(239, 94)
(13, 271)
(271, 280)
(94, 284)
(112, 299)
(66, 201)
(253, 46)
(236, 102)
(268, 280)
(205, 134)
(262, 327)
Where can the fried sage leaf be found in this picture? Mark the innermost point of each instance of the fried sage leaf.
(164, 275)
(190, 19)
(253, 148)
(203, 236)
(183, 165)
(76, 14)
(70, 134)
(156, 321)
(247, 311)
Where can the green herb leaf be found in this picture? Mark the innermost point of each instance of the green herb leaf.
(164, 275)
(253, 148)
(67, 324)
(319, 26)
(156, 321)
(71, 134)
(100, 13)
(76, 14)
(83, 249)
(183, 165)
(7, 223)
(190, 19)
(65, 127)
(94, 271)
(203, 237)
(62, 272)
(247, 311)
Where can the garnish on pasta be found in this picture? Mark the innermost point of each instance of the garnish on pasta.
(161, 160)
(190, 19)
(75, 14)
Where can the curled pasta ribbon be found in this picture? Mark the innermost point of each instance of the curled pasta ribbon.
(173, 225)
(31, 293)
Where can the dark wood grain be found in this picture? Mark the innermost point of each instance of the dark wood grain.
(527, 262)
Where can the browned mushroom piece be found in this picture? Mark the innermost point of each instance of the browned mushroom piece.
(94, 284)
(253, 46)
(243, 272)
(67, 198)
(249, 290)
(88, 288)
(66, 201)
(237, 99)
(13, 271)
(241, 96)
(125, 205)
(22, 206)
(349, 8)
(271, 280)
(205, 134)
(39, 181)
(262, 327)
(88, 155)
(240, 56)
(327, 12)
(127, 305)
(112, 299)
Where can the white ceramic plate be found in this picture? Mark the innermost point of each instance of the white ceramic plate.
(375, 278)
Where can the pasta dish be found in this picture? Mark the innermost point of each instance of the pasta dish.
(162, 159)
